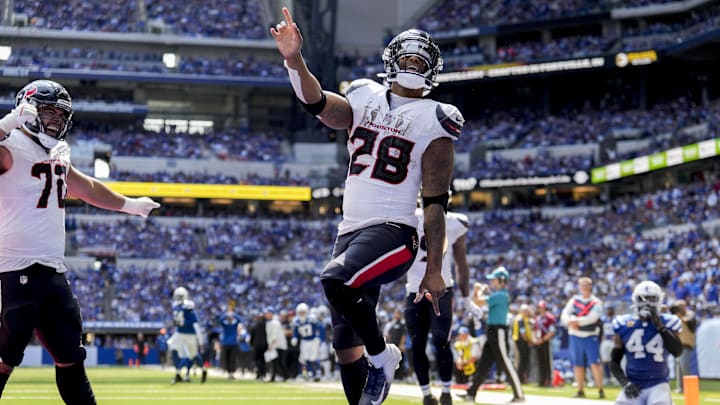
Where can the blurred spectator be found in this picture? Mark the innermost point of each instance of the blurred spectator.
(687, 337)
(544, 331)
(581, 315)
(522, 335)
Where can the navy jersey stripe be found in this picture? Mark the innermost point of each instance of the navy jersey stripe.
(450, 126)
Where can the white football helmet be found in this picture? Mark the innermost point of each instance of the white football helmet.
(323, 311)
(180, 294)
(302, 310)
(647, 294)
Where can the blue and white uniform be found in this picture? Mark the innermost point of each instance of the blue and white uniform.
(309, 333)
(188, 336)
(646, 358)
(607, 344)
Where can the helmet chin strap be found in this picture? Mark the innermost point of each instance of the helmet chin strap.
(410, 80)
(47, 141)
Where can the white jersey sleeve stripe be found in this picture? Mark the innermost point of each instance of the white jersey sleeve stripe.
(673, 324)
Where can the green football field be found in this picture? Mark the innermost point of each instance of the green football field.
(149, 386)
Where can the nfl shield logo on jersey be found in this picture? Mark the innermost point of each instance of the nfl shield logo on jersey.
(23, 279)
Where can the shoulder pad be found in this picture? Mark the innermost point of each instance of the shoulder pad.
(61, 150)
(461, 218)
(672, 322)
(356, 84)
(188, 304)
(619, 321)
(450, 119)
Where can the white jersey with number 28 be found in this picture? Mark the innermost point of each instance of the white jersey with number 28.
(386, 148)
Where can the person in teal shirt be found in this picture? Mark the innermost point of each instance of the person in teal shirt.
(495, 350)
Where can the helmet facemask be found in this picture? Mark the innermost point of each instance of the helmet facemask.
(647, 297)
(645, 304)
(415, 73)
(52, 123)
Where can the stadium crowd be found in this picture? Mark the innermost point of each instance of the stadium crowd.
(219, 18)
(457, 14)
(146, 62)
(661, 126)
(237, 144)
(553, 250)
(209, 178)
(450, 15)
(244, 19)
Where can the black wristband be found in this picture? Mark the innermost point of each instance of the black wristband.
(441, 199)
(315, 108)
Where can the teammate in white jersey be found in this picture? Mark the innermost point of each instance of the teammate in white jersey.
(419, 317)
(399, 141)
(36, 176)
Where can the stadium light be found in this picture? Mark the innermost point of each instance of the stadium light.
(5, 52)
(101, 164)
(101, 169)
(170, 60)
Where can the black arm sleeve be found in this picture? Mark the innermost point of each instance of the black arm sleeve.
(315, 108)
(672, 342)
(615, 358)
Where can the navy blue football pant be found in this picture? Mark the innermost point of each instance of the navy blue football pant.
(420, 320)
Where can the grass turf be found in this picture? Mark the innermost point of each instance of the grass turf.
(150, 386)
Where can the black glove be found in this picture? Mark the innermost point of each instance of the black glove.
(631, 390)
(655, 319)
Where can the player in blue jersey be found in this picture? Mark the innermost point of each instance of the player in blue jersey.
(645, 338)
(188, 337)
(229, 347)
(309, 333)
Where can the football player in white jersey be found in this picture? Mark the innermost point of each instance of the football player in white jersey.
(645, 338)
(399, 141)
(419, 316)
(36, 176)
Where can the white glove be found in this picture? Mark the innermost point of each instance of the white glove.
(294, 341)
(18, 117)
(139, 206)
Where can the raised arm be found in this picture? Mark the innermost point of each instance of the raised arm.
(330, 108)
